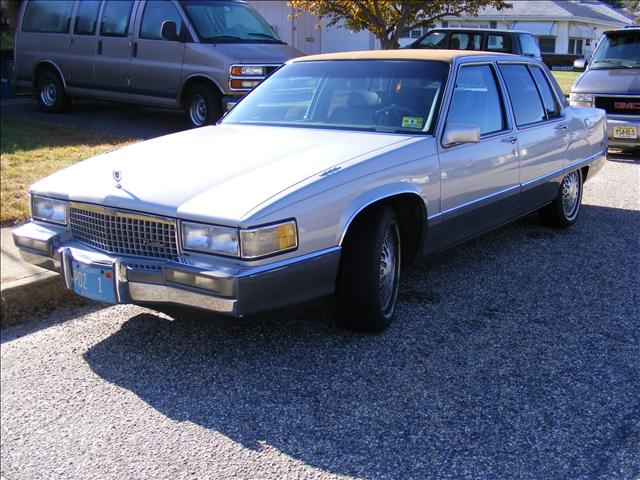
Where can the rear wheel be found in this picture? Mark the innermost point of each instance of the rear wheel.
(369, 276)
(203, 106)
(563, 211)
(50, 92)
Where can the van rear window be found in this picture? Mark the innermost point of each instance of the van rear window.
(45, 16)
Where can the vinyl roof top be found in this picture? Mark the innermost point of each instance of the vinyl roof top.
(401, 54)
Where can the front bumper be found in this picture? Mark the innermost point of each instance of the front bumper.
(623, 121)
(240, 289)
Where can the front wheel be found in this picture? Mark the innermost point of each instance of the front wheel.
(563, 211)
(369, 276)
(204, 106)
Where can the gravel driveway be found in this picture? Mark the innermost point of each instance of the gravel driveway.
(516, 355)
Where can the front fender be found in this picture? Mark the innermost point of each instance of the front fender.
(362, 201)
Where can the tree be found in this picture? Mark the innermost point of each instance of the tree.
(387, 18)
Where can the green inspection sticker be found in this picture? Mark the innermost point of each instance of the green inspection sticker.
(412, 122)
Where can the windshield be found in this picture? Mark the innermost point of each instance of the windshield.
(222, 22)
(618, 50)
(373, 95)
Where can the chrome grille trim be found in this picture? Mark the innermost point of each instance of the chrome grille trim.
(123, 232)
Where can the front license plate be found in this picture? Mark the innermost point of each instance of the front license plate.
(96, 283)
(625, 132)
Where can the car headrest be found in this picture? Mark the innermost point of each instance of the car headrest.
(363, 99)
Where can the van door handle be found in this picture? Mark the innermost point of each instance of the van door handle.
(511, 140)
(99, 47)
(135, 49)
(561, 127)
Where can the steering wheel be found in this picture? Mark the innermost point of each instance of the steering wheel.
(237, 30)
(392, 115)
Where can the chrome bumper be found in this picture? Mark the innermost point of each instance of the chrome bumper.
(237, 290)
(623, 121)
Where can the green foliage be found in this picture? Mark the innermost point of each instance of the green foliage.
(387, 18)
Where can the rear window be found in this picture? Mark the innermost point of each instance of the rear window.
(45, 16)
(433, 40)
(525, 99)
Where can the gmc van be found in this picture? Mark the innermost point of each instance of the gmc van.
(200, 56)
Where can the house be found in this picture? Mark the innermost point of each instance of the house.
(565, 29)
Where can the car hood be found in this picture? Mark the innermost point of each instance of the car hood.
(215, 174)
(257, 52)
(619, 81)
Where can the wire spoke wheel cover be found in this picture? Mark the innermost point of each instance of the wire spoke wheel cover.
(389, 270)
(571, 194)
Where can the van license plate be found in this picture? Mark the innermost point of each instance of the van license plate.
(625, 132)
(94, 282)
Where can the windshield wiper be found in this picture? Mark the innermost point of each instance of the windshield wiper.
(223, 37)
(264, 35)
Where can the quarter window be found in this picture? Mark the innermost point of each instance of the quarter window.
(477, 101)
(45, 16)
(550, 104)
(525, 99)
(155, 14)
(498, 43)
(86, 17)
(115, 18)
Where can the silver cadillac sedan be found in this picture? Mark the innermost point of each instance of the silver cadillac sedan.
(329, 178)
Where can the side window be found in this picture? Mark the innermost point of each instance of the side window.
(465, 41)
(433, 40)
(155, 14)
(86, 17)
(525, 99)
(45, 16)
(115, 18)
(497, 42)
(550, 105)
(529, 45)
(477, 100)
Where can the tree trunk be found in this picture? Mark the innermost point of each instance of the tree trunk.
(389, 43)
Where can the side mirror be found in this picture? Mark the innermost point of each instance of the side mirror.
(580, 64)
(170, 31)
(457, 133)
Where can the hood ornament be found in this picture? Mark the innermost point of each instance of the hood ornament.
(117, 176)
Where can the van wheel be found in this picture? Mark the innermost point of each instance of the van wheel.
(369, 276)
(203, 106)
(563, 211)
(51, 95)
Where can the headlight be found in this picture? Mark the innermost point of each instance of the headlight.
(248, 70)
(263, 241)
(210, 239)
(581, 99)
(49, 209)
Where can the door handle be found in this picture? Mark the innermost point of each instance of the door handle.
(511, 140)
(561, 127)
(99, 47)
(135, 49)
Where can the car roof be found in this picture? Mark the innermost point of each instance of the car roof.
(471, 29)
(402, 54)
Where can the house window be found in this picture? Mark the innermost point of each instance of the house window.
(493, 25)
(405, 33)
(575, 46)
(547, 44)
(445, 24)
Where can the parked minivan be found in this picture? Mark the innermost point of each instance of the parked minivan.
(200, 56)
(612, 82)
(490, 40)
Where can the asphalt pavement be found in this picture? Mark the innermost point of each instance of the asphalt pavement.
(515, 355)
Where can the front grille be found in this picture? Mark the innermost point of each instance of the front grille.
(619, 105)
(124, 233)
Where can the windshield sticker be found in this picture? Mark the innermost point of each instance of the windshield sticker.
(412, 122)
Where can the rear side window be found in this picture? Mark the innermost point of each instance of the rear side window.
(525, 99)
(477, 101)
(497, 42)
(550, 105)
(155, 14)
(86, 17)
(465, 41)
(115, 18)
(45, 16)
(529, 45)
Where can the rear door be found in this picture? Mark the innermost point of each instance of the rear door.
(156, 63)
(113, 56)
(83, 48)
(479, 181)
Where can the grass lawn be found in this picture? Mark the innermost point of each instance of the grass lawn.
(565, 79)
(30, 151)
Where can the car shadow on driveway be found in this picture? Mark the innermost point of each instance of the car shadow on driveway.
(513, 356)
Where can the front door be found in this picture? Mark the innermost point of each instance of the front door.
(156, 63)
(113, 55)
(82, 51)
(479, 181)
